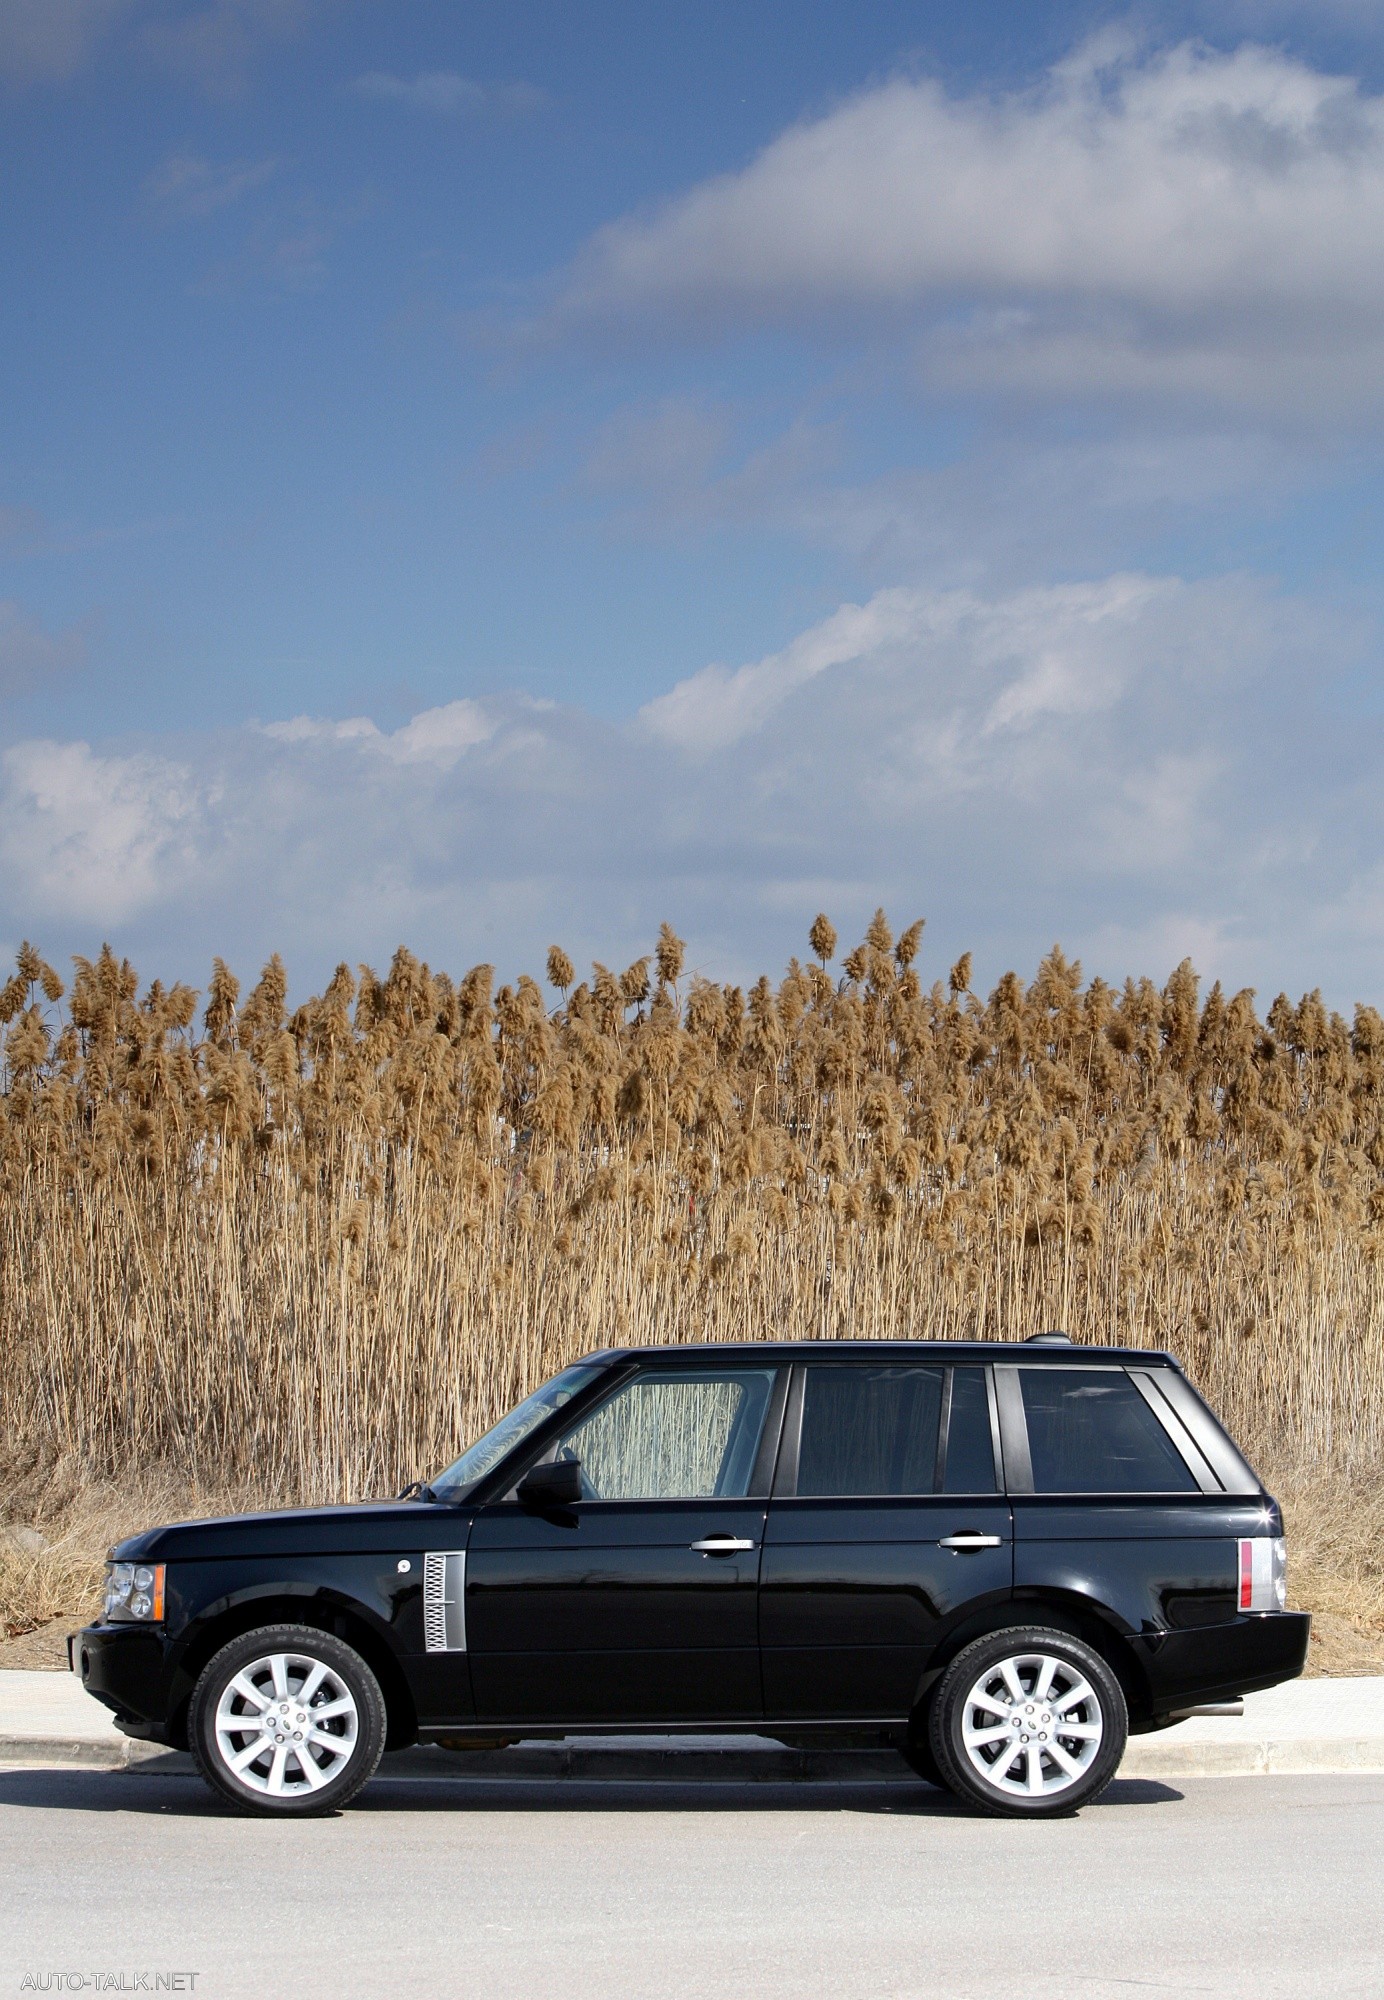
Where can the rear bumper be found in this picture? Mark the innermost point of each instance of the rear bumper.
(126, 1668)
(1218, 1661)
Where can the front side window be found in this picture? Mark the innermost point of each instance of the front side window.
(1090, 1431)
(665, 1436)
(869, 1430)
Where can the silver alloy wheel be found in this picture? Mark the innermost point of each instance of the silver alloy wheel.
(286, 1725)
(1032, 1725)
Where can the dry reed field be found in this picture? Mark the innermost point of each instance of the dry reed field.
(253, 1252)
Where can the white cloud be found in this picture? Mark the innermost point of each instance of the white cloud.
(187, 185)
(1059, 650)
(1113, 763)
(438, 736)
(445, 92)
(92, 837)
(716, 707)
(1186, 221)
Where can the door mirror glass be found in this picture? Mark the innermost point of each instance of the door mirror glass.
(555, 1485)
(667, 1436)
(869, 1430)
(1090, 1431)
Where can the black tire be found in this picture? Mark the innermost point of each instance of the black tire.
(1032, 1725)
(314, 1756)
(917, 1753)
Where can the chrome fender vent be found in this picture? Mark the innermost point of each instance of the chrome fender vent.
(444, 1601)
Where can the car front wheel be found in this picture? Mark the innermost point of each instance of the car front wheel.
(1028, 1722)
(287, 1720)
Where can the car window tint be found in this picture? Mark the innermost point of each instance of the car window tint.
(970, 1466)
(869, 1430)
(673, 1437)
(1090, 1431)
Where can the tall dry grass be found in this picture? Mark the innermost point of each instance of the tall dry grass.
(312, 1253)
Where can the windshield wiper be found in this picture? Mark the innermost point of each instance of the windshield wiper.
(417, 1489)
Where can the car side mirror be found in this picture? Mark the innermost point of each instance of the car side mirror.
(557, 1484)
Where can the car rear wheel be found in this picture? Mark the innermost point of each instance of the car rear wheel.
(287, 1720)
(1028, 1722)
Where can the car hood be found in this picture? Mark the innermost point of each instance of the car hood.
(368, 1526)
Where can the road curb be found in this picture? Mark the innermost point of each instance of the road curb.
(90, 1753)
(1302, 1756)
(1147, 1757)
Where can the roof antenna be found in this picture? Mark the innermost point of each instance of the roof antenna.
(1048, 1340)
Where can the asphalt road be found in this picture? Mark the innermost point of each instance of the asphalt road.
(523, 1890)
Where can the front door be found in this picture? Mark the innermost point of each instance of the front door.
(638, 1603)
(891, 1527)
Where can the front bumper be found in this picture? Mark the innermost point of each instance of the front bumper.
(126, 1667)
(1216, 1662)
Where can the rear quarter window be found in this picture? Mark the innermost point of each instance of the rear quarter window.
(1090, 1431)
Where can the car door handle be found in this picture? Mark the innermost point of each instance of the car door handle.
(971, 1538)
(721, 1545)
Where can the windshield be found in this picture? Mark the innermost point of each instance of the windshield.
(521, 1422)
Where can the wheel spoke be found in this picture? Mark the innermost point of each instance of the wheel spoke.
(1044, 1680)
(995, 1734)
(277, 1769)
(248, 1691)
(278, 1668)
(313, 1682)
(1002, 1763)
(1068, 1763)
(244, 1758)
(1088, 1732)
(338, 1745)
(1035, 1767)
(309, 1767)
(1073, 1696)
(344, 1706)
(978, 1698)
(1010, 1674)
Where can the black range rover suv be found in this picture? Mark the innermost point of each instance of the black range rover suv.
(1001, 1559)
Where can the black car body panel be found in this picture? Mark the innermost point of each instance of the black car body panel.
(607, 1613)
(765, 1606)
(856, 1595)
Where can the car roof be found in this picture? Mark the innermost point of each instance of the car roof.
(1058, 1353)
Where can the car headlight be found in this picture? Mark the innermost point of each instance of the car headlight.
(134, 1592)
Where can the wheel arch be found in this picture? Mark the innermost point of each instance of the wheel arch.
(321, 1614)
(1063, 1611)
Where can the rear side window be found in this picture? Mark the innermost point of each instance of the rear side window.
(1090, 1431)
(869, 1430)
(970, 1460)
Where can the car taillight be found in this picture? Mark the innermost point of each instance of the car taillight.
(1263, 1573)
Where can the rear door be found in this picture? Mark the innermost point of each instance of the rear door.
(638, 1603)
(887, 1523)
(1113, 1499)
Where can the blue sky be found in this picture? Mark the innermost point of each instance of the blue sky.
(480, 475)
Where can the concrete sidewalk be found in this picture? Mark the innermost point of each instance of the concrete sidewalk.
(1304, 1726)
